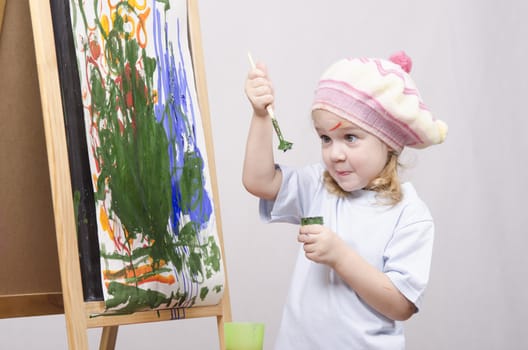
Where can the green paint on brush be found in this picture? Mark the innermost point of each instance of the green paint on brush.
(283, 144)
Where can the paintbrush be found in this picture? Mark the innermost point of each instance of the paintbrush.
(283, 144)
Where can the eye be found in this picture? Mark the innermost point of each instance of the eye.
(325, 139)
(350, 138)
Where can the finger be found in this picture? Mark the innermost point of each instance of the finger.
(309, 248)
(310, 255)
(311, 229)
(259, 91)
(303, 238)
(260, 83)
(313, 256)
(257, 73)
(262, 90)
(262, 100)
(261, 66)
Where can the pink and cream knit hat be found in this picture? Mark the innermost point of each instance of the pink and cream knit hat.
(380, 97)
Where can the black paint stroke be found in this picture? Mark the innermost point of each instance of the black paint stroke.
(77, 150)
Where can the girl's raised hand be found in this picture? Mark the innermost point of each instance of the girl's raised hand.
(259, 90)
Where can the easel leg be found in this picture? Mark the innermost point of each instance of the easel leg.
(220, 323)
(108, 338)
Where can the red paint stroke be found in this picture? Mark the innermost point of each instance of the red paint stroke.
(336, 126)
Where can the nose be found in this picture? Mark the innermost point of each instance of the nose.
(337, 153)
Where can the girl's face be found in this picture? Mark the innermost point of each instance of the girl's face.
(352, 156)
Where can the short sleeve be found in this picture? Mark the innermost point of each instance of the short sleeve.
(286, 207)
(408, 254)
(295, 195)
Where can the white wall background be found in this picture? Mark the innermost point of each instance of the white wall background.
(470, 66)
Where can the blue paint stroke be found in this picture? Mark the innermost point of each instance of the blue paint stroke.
(175, 110)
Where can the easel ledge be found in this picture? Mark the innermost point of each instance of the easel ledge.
(93, 309)
(24, 305)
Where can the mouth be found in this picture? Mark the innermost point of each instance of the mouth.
(342, 173)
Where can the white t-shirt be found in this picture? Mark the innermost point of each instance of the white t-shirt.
(322, 312)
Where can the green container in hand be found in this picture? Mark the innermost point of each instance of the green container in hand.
(312, 220)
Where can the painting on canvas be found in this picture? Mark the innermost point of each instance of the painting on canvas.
(151, 198)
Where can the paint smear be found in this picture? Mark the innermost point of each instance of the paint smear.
(336, 126)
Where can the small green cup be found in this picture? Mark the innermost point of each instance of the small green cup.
(243, 335)
(312, 220)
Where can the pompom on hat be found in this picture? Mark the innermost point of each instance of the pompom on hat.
(380, 97)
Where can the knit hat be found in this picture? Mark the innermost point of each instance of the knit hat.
(380, 97)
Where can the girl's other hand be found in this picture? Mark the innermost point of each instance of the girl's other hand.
(321, 244)
(259, 90)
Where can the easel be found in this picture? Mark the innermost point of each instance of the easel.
(16, 303)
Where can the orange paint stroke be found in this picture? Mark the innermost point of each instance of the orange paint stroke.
(105, 223)
(136, 273)
(141, 32)
(94, 180)
(157, 278)
(113, 6)
(127, 272)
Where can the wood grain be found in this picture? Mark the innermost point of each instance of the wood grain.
(2, 7)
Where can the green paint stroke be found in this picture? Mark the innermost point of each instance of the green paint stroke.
(133, 297)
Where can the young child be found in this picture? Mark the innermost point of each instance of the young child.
(364, 270)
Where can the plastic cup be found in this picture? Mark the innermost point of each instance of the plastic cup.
(312, 220)
(243, 335)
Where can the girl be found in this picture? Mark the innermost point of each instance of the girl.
(365, 269)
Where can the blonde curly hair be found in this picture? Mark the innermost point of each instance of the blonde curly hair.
(387, 184)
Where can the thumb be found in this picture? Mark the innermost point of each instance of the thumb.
(262, 67)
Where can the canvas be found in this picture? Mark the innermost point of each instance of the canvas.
(152, 198)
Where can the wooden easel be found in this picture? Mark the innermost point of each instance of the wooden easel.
(16, 303)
